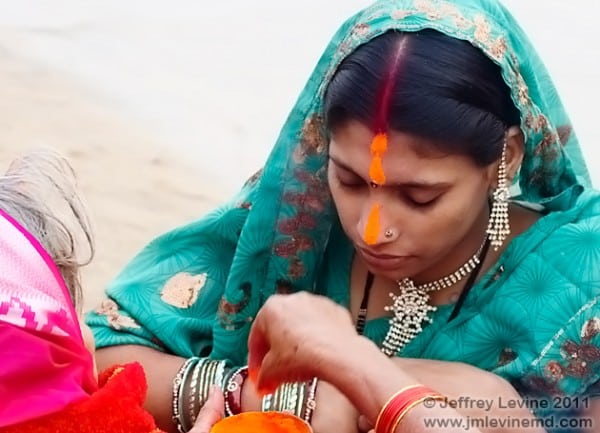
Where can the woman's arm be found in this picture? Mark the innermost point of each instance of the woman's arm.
(160, 369)
(369, 378)
(315, 337)
(478, 394)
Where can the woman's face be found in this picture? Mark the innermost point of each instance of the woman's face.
(434, 203)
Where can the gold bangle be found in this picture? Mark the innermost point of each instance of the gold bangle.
(402, 414)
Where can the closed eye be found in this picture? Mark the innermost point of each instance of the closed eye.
(352, 184)
(421, 202)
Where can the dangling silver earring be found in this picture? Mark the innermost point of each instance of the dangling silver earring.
(499, 225)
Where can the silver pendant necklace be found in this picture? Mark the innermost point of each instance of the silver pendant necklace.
(411, 308)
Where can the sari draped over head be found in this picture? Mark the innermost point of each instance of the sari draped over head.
(196, 289)
(45, 365)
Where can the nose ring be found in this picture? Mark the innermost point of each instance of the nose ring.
(388, 233)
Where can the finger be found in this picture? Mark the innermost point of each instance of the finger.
(364, 425)
(268, 375)
(258, 346)
(211, 412)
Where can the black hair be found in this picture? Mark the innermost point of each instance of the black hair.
(440, 88)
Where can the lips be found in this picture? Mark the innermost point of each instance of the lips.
(383, 261)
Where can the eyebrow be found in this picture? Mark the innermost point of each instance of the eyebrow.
(409, 184)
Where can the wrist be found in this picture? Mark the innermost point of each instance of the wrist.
(345, 364)
(251, 401)
(362, 369)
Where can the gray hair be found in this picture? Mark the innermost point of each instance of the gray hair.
(40, 191)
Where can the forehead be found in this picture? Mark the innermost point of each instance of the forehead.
(406, 156)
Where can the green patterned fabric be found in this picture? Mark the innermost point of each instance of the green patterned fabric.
(534, 318)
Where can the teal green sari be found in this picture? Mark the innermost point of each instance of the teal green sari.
(533, 319)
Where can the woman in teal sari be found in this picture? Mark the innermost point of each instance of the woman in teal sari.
(391, 174)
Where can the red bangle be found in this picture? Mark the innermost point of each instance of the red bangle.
(399, 404)
(232, 392)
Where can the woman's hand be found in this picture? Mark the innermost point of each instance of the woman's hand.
(296, 337)
(300, 336)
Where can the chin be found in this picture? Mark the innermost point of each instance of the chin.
(395, 274)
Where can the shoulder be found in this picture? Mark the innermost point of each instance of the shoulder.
(571, 242)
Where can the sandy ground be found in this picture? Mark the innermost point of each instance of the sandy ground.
(133, 187)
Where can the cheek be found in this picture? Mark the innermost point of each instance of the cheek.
(454, 218)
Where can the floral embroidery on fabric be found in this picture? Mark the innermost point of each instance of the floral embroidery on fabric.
(290, 247)
(554, 371)
(313, 200)
(227, 310)
(564, 133)
(182, 289)
(116, 320)
(312, 140)
(541, 386)
(427, 7)
(307, 201)
(296, 268)
(498, 48)
(302, 221)
(253, 180)
(482, 29)
(578, 360)
(245, 205)
(400, 14)
(507, 355)
(361, 30)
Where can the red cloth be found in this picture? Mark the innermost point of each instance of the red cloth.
(115, 408)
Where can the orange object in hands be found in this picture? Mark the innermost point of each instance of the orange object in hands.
(262, 422)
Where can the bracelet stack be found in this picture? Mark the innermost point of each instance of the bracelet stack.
(191, 387)
(294, 398)
(400, 404)
(192, 383)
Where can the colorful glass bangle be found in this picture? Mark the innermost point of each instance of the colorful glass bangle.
(233, 391)
(399, 404)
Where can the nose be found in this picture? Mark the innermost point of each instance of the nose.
(376, 224)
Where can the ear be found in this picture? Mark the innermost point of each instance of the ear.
(515, 150)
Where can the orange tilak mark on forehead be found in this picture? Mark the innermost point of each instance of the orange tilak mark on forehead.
(378, 148)
(379, 144)
(373, 227)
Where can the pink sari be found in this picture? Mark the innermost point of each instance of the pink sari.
(44, 365)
